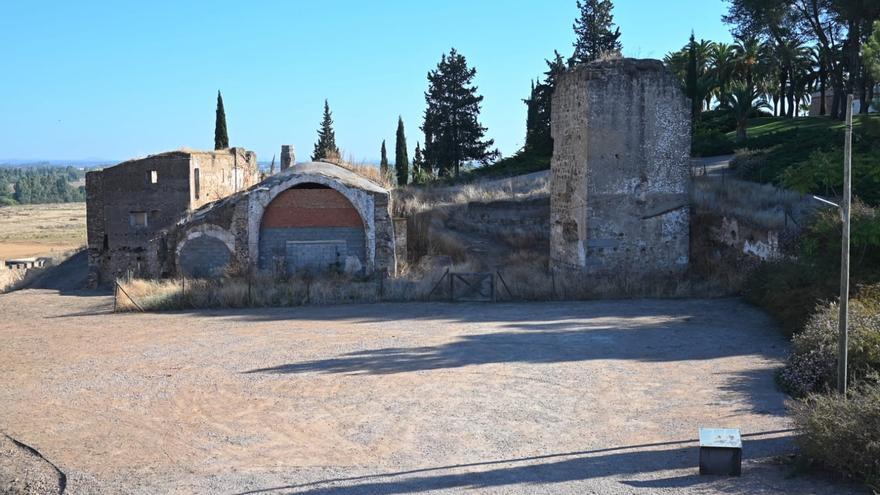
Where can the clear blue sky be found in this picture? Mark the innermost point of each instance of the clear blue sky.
(115, 80)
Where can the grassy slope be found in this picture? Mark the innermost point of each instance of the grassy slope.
(785, 143)
(767, 125)
(762, 132)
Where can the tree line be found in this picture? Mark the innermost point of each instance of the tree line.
(453, 134)
(784, 51)
(40, 185)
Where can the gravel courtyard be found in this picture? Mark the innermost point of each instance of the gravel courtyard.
(597, 397)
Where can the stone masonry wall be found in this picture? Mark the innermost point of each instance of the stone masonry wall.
(222, 173)
(620, 173)
(160, 189)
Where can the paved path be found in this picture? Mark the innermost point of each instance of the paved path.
(584, 397)
(711, 165)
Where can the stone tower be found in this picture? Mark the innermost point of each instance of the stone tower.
(620, 175)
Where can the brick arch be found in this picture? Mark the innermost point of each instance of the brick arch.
(360, 201)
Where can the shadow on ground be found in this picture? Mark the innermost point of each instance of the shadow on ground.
(560, 334)
(543, 470)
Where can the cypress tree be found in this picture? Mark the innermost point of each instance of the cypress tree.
(326, 145)
(453, 134)
(383, 162)
(418, 165)
(593, 29)
(538, 137)
(221, 138)
(691, 80)
(401, 157)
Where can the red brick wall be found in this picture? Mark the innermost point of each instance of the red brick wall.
(311, 208)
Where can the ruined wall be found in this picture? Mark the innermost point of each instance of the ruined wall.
(204, 256)
(129, 188)
(620, 172)
(221, 173)
(131, 205)
(400, 245)
(385, 257)
(321, 203)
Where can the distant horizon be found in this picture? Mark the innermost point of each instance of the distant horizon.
(96, 80)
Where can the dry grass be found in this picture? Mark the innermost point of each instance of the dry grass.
(416, 199)
(263, 290)
(762, 205)
(365, 170)
(37, 230)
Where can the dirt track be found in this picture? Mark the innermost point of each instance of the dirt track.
(594, 397)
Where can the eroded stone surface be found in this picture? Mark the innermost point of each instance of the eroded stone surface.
(620, 173)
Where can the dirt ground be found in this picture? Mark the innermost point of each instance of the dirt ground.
(583, 397)
(41, 230)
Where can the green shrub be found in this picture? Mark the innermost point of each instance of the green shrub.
(790, 289)
(711, 143)
(843, 434)
(822, 173)
(812, 365)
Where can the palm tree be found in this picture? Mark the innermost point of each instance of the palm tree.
(749, 52)
(677, 63)
(704, 50)
(722, 66)
(743, 100)
(706, 88)
(820, 66)
(804, 79)
(791, 54)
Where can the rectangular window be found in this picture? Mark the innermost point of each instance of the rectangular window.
(138, 219)
(153, 176)
(196, 182)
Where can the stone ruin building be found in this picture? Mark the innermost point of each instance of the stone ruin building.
(206, 214)
(620, 174)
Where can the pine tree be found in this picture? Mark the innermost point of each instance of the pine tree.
(326, 148)
(453, 134)
(383, 162)
(538, 137)
(418, 165)
(221, 138)
(593, 29)
(401, 157)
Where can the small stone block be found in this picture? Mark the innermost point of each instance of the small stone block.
(720, 452)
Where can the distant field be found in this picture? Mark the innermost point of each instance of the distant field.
(36, 230)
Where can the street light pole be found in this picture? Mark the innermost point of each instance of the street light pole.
(844, 254)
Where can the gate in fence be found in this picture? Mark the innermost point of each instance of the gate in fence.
(471, 286)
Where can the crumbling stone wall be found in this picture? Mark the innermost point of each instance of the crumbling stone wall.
(129, 205)
(620, 174)
(222, 173)
(335, 196)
